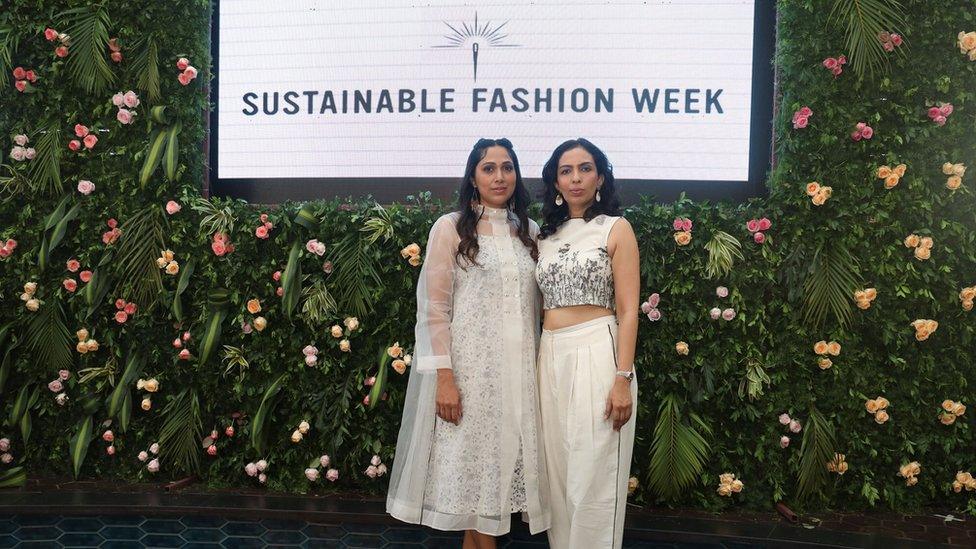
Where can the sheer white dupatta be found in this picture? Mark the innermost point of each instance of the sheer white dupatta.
(432, 351)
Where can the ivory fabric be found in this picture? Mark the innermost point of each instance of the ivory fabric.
(574, 265)
(482, 321)
(588, 463)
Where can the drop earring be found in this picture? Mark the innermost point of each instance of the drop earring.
(598, 195)
(559, 200)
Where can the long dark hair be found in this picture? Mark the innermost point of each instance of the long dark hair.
(467, 224)
(553, 215)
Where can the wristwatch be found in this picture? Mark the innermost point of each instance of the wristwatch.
(626, 374)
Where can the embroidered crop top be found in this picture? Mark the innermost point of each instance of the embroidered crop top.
(574, 265)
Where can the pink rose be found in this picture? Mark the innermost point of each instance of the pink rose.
(190, 71)
(805, 111)
(370, 381)
(85, 187)
(262, 478)
(55, 386)
(220, 237)
(722, 291)
(173, 207)
(85, 276)
(261, 232)
(229, 431)
(842, 60)
(888, 46)
(934, 111)
(21, 85)
(752, 225)
(183, 79)
(860, 126)
(81, 130)
(311, 360)
(686, 224)
(945, 109)
(795, 426)
(130, 308)
(90, 141)
(310, 350)
(676, 224)
(110, 450)
(759, 238)
(74, 144)
(247, 328)
(154, 448)
(73, 265)
(715, 313)
(728, 314)
(371, 471)
(366, 400)
(120, 304)
(130, 99)
(61, 51)
(112, 223)
(212, 450)
(153, 465)
(29, 153)
(7, 459)
(121, 317)
(375, 461)
(276, 276)
(867, 132)
(280, 291)
(17, 153)
(182, 63)
(315, 247)
(118, 100)
(143, 456)
(784, 419)
(312, 474)
(800, 122)
(218, 248)
(19, 73)
(4, 444)
(654, 315)
(177, 343)
(654, 299)
(324, 460)
(836, 71)
(263, 217)
(830, 62)
(784, 441)
(186, 336)
(50, 34)
(940, 120)
(124, 116)
(896, 39)
(70, 284)
(184, 354)
(856, 135)
(645, 307)
(332, 475)
(21, 139)
(765, 224)
(251, 469)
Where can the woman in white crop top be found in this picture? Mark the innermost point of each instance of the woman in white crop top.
(469, 452)
(588, 270)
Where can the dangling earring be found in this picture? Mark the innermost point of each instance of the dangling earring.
(477, 195)
(598, 195)
(559, 200)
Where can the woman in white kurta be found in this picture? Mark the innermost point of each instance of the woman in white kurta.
(468, 453)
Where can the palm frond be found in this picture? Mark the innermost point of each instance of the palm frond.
(378, 225)
(319, 305)
(863, 21)
(87, 62)
(357, 277)
(138, 277)
(45, 172)
(9, 40)
(817, 450)
(215, 220)
(145, 64)
(48, 339)
(678, 451)
(832, 277)
(723, 250)
(182, 431)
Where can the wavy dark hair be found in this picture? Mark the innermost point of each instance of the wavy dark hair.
(467, 224)
(552, 215)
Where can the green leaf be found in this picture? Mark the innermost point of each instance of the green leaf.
(13, 478)
(291, 280)
(120, 399)
(863, 21)
(211, 336)
(87, 62)
(142, 241)
(259, 433)
(376, 392)
(832, 278)
(185, 273)
(723, 250)
(79, 443)
(9, 41)
(48, 339)
(145, 64)
(154, 155)
(172, 157)
(45, 169)
(182, 430)
(817, 450)
(356, 276)
(678, 451)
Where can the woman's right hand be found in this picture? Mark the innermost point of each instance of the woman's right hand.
(448, 397)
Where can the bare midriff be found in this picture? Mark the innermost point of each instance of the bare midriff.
(564, 317)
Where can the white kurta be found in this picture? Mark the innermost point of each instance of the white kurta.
(481, 321)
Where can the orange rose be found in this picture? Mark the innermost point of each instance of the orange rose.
(967, 305)
(833, 348)
(872, 406)
(682, 238)
(922, 334)
(820, 347)
(891, 181)
(813, 188)
(899, 170)
(931, 325)
(253, 306)
(884, 172)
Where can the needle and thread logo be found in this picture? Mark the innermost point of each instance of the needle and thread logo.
(477, 36)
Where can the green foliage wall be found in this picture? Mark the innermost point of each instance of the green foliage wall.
(712, 411)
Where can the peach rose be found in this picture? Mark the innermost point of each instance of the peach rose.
(884, 172)
(736, 486)
(813, 188)
(824, 363)
(923, 253)
(151, 385)
(632, 485)
(872, 406)
(82, 347)
(899, 170)
(968, 293)
(400, 366)
(926, 242)
(260, 323)
(345, 346)
(725, 478)
(882, 402)
(681, 347)
(415, 261)
(959, 169)
(863, 304)
(253, 306)
(819, 199)
(172, 268)
(682, 238)
(967, 41)
(911, 241)
(947, 419)
(959, 409)
(947, 168)
(967, 305)
(82, 334)
(92, 345)
(953, 182)
(146, 403)
(947, 405)
(881, 417)
(891, 181)
(336, 331)
(870, 293)
(724, 490)
(395, 351)
(820, 347)
(833, 348)
(410, 250)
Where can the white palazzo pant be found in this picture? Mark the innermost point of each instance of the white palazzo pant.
(587, 461)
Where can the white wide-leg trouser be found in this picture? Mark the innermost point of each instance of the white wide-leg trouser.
(587, 461)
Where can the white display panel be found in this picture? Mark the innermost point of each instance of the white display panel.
(326, 89)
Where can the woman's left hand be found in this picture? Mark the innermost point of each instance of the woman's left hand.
(620, 405)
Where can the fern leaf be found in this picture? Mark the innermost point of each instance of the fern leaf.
(179, 438)
(87, 62)
(832, 277)
(48, 339)
(139, 278)
(45, 171)
(863, 21)
(817, 450)
(678, 451)
(356, 276)
(145, 65)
